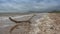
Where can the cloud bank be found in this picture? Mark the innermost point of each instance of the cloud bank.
(28, 5)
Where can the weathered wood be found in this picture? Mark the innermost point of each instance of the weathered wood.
(18, 22)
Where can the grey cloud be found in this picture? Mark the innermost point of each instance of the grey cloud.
(28, 5)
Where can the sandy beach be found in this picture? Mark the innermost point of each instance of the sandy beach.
(6, 24)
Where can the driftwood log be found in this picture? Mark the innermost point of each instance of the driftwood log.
(17, 23)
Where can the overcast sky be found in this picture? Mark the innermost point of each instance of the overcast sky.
(28, 5)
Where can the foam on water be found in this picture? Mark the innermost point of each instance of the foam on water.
(4, 18)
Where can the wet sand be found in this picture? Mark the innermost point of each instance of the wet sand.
(6, 24)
